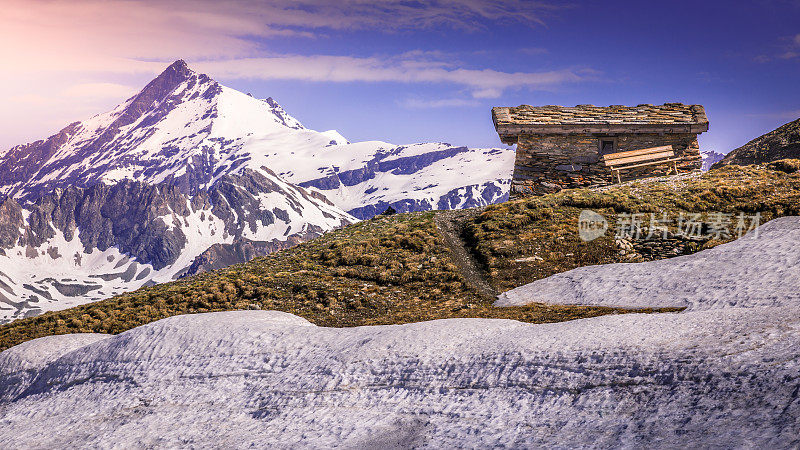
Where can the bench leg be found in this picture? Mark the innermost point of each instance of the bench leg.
(675, 166)
(619, 179)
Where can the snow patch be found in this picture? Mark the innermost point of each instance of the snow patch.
(760, 269)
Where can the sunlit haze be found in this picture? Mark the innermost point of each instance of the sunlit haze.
(407, 71)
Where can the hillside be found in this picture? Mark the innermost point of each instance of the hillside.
(398, 269)
(529, 239)
(759, 270)
(723, 373)
(781, 143)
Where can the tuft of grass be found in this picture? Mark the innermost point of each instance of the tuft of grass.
(785, 165)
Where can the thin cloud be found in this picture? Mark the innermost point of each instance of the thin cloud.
(791, 50)
(794, 51)
(64, 59)
(531, 51)
(418, 103)
(121, 36)
(482, 83)
(385, 15)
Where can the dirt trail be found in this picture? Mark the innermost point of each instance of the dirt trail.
(451, 225)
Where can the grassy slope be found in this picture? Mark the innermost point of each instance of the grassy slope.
(546, 227)
(397, 269)
(387, 270)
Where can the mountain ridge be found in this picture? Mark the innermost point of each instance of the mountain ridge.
(186, 129)
(81, 244)
(780, 143)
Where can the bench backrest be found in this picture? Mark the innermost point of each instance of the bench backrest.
(634, 156)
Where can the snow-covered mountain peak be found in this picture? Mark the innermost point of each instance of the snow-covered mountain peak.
(182, 127)
(188, 130)
(255, 179)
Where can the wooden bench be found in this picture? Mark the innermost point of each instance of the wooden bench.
(637, 158)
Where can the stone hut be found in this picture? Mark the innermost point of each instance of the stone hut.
(564, 146)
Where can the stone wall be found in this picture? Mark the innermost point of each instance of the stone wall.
(549, 163)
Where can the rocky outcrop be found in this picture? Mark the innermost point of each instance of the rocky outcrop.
(781, 143)
(82, 244)
(656, 248)
(219, 256)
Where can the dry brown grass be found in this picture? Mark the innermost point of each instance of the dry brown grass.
(527, 239)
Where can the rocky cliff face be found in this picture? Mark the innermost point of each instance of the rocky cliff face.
(82, 244)
(781, 143)
(219, 256)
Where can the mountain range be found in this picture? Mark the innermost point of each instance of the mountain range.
(187, 130)
(189, 175)
(710, 158)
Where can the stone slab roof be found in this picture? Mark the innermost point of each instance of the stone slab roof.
(552, 119)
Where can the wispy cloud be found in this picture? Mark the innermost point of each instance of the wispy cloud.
(790, 49)
(419, 103)
(120, 35)
(386, 15)
(483, 83)
(794, 49)
(85, 52)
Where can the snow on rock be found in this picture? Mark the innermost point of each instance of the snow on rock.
(721, 374)
(81, 245)
(186, 129)
(760, 269)
(710, 158)
(413, 177)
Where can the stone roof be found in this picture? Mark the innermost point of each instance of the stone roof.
(552, 119)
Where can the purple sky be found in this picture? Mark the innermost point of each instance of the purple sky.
(408, 71)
